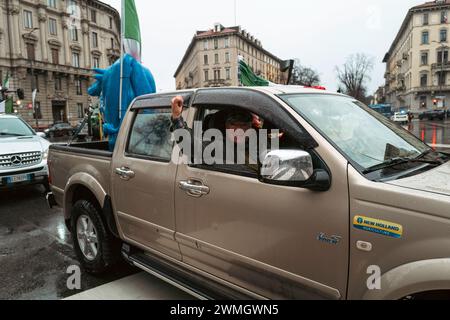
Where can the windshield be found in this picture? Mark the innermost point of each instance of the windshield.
(364, 136)
(13, 127)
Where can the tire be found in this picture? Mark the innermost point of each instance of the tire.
(108, 247)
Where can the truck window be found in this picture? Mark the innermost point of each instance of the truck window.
(215, 118)
(150, 135)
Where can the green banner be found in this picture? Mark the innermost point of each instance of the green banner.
(9, 106)
(248, 78)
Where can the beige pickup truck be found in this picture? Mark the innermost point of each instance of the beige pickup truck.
(356, 208)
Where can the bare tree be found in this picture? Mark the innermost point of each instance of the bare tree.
(304, 76)
(354, 75)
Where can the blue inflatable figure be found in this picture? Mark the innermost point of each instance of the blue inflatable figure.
(137, 81)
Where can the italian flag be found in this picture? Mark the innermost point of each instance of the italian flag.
(131, 31)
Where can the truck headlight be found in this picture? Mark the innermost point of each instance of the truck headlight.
(45, 155)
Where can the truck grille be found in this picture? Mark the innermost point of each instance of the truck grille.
(20, 160)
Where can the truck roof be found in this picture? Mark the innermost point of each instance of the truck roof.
(278, 89)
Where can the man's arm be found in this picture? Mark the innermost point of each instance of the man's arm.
(177, 111)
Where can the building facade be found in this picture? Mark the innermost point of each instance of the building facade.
(52, 46)
(211, 59)
(417, 64)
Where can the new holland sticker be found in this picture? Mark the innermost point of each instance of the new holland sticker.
(381, 227)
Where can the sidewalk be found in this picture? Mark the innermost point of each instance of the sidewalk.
(141, 286)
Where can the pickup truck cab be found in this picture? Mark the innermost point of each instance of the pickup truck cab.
(23, 154)
(358, 208)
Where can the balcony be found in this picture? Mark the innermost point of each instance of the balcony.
(431, 89)
(440, 66)
(218, 83)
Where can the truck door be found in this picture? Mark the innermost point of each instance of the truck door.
(143, 177)
(276, 241)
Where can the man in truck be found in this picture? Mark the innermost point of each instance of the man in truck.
(236, 122)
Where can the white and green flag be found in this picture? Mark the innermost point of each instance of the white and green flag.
(131, 29)
(248, 78)
(5, 83)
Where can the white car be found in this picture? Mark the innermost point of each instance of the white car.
(23, 154)
(401, 117)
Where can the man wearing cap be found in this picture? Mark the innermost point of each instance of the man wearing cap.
(237, 123)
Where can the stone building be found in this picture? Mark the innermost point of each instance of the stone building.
(417, 63)
(52, 45)
(211, 60)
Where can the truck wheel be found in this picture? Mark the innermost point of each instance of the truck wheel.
(96, 248)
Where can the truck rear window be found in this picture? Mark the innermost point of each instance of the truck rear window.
(150, 135)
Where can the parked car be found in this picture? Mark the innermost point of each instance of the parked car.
(59, 130)
(432, 115)
(349, 195)
(401, 117)
(23, 154)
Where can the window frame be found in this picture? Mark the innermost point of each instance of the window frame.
(425, 19)
(441, 33)
(199, 112)
(422, 54)
(422, 37)
(52, 22)
(94, 40)
(130, 155)
(28, 18)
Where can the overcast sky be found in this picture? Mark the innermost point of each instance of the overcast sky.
(320, 33)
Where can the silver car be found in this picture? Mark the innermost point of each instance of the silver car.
(23, 154)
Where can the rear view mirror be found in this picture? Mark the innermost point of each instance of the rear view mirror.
(293, 168)
(40, 134)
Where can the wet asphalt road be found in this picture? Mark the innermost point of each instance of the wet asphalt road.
(36, 250)
(435, 133)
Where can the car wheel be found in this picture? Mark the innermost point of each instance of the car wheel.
(96, 248)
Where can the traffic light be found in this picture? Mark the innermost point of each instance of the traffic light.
(20, 94)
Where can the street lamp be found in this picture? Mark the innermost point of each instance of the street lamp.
(442, 62)
(33, 83)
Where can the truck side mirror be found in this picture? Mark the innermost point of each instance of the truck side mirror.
(293, 168)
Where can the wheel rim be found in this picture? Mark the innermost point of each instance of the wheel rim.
(87, 238)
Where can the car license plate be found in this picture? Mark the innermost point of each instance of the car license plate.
(17, 179)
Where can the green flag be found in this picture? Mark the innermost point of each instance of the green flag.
(6, 82)
(9, 106)
(248, 78)
(131, 29)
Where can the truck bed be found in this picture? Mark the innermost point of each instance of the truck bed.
(100, 148)
(86, 161)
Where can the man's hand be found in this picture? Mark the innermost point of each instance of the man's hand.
(177, 107)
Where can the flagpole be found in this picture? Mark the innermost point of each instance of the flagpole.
(122, 43)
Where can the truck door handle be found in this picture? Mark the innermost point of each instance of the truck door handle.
(125, 173)
(194, 188)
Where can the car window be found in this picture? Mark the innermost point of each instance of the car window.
(215, 118)
(150, 135)
(14, 127)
